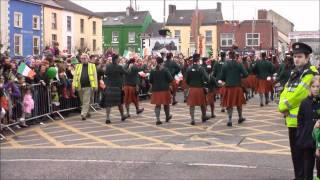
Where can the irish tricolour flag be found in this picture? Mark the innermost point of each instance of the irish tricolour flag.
(25, 70)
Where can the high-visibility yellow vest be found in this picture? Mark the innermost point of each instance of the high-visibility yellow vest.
(92, 72)
(293, 94)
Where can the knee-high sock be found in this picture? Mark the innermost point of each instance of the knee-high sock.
(128, 109)
(203, 111)
(229, 110)
(192, 108)
(239, 109)
(121, 110)
(108, 111)
(212, 108)
(266, 95)
(136, 105)
(261, 98)
(157, 110)
(166, 110)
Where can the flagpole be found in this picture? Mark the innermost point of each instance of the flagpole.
(197, 27)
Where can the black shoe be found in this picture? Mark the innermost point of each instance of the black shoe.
(229, 124)
(139, 111)
(174, 103)
(241, 120)
(267, 102)
(223, 110)
(108, 121)
(88, 115)
(193, 123)
(185, 101)
(205, 119)
(168, 118)
(261, 105)
(158, 123)
(83, 118)
(124, 117)
(213, 115)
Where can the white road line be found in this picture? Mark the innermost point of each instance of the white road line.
(129, 162)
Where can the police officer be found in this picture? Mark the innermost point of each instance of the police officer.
(160, 78)
(296, 90)
(114, 82)
(232, 72)
(196, 77)
(174, 69)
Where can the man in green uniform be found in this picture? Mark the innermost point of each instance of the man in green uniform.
(174, 69)
(296, 90)
(217, 74)
(264, 71)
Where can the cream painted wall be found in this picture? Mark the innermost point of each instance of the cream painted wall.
(185, 38)
(4, 25)
(88, 32)
(66, 33)
(47, 29)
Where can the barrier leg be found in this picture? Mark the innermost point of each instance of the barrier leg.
(10, 130)
(50, 118)
(59, 114)
(93, 108)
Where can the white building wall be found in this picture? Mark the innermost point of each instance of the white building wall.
(4, 24)
(66, 33)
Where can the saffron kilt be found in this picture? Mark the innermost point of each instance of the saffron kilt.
(113, 96)
(233, 96)
(130, 95)
(210, 98)
(161, 97)
(196, 97)
(183, 84)
(263, 86)
(252, 81)
(174, 86)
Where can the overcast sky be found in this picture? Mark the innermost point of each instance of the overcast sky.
(303, 14)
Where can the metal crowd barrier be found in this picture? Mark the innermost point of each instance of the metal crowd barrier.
(45, 106)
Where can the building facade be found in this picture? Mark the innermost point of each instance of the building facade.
(4, 26)
(25, 28)
(181, 26)
(122, 30)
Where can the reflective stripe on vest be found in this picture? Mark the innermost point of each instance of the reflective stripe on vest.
(91, 73)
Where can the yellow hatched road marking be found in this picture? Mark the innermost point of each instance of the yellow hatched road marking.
(49, 138)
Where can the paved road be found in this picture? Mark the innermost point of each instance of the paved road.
(138, 149)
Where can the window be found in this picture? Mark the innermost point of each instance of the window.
(94, 28)
(177, 34)
(82, 25)
(69, 43)
(132, 37)
(115, 37)
(226, 39)
(81, 43)
(54, 20)
(68, 23)
(192, 40)
(192, 49)
(252, 39)
(208, 37)
(208, 49)
(18, 45)
(36, 22)
(18, 19)
(94, 45)
(36, 45)
(53, 38)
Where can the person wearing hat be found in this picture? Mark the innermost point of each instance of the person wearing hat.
(217, 74)
(174, 69)
(264, 71)
(114, 76)
(295, 91)
(231, 75)
(196, 77)
(86, 82)
(160, 78)
(131, 84)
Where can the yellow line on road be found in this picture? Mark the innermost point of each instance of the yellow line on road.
(49, 138)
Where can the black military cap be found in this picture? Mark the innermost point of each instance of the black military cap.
(223, 54)
(159, 60)
(300, 47)
(196, 57)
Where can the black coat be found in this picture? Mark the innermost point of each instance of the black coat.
(308, 114)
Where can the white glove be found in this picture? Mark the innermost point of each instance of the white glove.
(268, 78)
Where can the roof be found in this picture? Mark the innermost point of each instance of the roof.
(154, 28)
(50, 3)
(271, 11)
(183, 17)
(256, 21)
(70, 6)
(120, 18)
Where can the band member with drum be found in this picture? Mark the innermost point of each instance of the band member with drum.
(114, 82)
(174, 69)
(160, 78)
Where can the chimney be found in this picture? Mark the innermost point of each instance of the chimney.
(218, 6)
(129, 11)
(262, 14)
(172, 9)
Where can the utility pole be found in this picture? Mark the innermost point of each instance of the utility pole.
(272, 40)
(135, 2)
(164, 14)
(197, 28)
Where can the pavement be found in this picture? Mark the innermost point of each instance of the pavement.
(138, 149)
